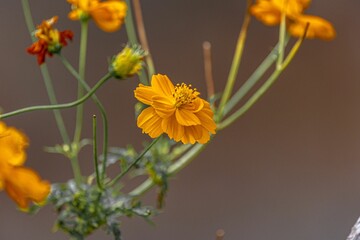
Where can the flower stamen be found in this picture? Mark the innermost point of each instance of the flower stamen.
(184, 94)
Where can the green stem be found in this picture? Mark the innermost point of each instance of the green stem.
(82, 65)
(269, 82)
(76, 169)
(132, 37)
(253, 79)
(96, 164)
(124, 172)
(282, 33)
(102, 110)
(46, 76)
(235, 64)
(174, 168)
(58, 106)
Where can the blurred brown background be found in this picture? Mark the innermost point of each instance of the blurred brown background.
(289, 169)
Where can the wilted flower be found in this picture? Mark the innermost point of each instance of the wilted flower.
(270, 11)
(108, 15)
(177, 111)
(49, 40)
(21, 184)
(128, 62)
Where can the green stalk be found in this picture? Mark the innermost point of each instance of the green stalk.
(46, 76)
(282, 34)
(82, 67)
(96, 164)
(174, 168)
(256, 96)
(59, 106)
(235, 64)
(132, 37)
(102, 110)
(124, 172)
(254, 78)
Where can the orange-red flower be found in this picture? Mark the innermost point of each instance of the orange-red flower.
(108, 15)
(177, 111)
(50, 40)
(270, 11)
(22, 184)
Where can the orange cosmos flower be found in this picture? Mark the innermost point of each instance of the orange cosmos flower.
(177, 111)
(50, 40)
(269, 12)
(22, 184)
(108, 15)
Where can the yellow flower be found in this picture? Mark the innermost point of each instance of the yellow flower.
(128, 62)
(108, 15)
(177, 111)
(22, 184)
(269, 12)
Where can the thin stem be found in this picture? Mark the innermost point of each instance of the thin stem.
(76, 169)
(208, 69)
(46, 76)
(142, 36)
(235, 63)
(256, 96)
(102, 110)
(132, 38)
(96, 164)
(174, 168)
(59, 106)
(124, 172)
(282, 33)
(82, 65)
(254, 78)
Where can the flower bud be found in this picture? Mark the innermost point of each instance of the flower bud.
(128, 62)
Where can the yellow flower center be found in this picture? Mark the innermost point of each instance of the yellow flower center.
(184, 94)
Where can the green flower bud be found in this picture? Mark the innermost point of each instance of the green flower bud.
(128, 62)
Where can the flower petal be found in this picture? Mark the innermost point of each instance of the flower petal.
(318, 28)
(162, 85)
(12, 145)
(192, 134)
(144, 94)
(110, 15)
(24, 185)
(163, 105)
(150, 122)
(172, 128)
(207, 121)
(186, 117)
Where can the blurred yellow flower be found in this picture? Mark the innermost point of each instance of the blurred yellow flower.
(177, 111)
(22, 184)
(269, 12)
(108, 15)
(128, 62)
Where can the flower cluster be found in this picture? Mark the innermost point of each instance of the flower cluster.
(108, 15)
(270, 12)
(177, 111)
(21, 184)
(49, 40)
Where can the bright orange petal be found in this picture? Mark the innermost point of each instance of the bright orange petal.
(150, 122)
(318, 28)
(110, 15)
(144, 94)
(12, 145)
(163, 105)
(186, 117)
(24, 185)
(192, 134)
(172, 128)
(207, 121)
(162, 85)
